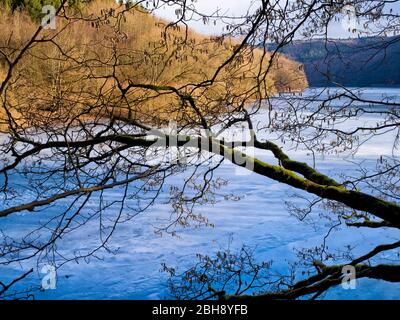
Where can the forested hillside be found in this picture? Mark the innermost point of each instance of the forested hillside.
(141, 49)
(354, 62)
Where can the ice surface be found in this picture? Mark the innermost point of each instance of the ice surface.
(259, 219)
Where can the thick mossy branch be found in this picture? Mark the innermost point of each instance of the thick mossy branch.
(372, 224)
(329, 276)
(300, 167)
(385, 210)
(333, 273)
(332, 276)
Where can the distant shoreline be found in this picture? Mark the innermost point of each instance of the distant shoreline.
(360, 87)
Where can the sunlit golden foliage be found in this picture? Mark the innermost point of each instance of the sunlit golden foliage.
(81, 68)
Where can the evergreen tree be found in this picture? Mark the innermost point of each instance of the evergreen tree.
(34, 7)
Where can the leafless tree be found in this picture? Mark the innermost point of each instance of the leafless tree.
(76, 121)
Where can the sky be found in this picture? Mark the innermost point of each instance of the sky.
(225, 7)
(239, 8)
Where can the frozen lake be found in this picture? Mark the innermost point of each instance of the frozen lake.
(259, 219)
